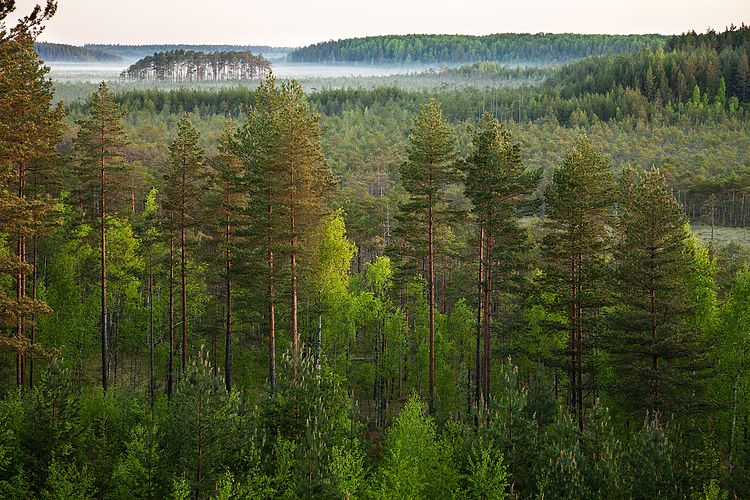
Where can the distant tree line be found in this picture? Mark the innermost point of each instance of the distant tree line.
(51, 52)
(133, 52)
(191, 66)
(504, 47)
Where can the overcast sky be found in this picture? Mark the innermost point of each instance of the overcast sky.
(300, 22)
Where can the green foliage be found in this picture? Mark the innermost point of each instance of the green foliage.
(488, 476)
(66, 481)
(661, 324)
(416, 462)
(575, 262)
(198, 433)
(136, 473)
(347, 471)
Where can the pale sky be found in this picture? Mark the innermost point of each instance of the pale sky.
(301, 22)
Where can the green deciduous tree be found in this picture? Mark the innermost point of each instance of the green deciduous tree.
(416, 462)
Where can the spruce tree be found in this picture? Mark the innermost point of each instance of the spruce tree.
(101, 173)
(658, 357)
(578, 213)
(430, 167)
(183, 187)
(498, 185)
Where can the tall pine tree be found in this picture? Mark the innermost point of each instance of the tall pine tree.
(230, 200)
(288, 181)
(183, 186)
(578, 213)
(102, 169)
(255, 146)
(659, 357)
(307, 182)
(498, 185)
(29, 130)
(430, 167)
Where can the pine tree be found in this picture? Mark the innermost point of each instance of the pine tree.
(309, 182)
(658, 359)
(29, 130)
(231, 201)
(183, 187)
(721, 94)
(498, 184)
(147, 226)
(102, 169)
(256, 147)
(287, 173)
(577, 217)
(430, 167)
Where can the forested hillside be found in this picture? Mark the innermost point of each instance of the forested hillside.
(698, 69)
(372, 293)
(60, 52)
(506, 48)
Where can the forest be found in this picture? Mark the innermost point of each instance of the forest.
(268, 291)
(506, 48)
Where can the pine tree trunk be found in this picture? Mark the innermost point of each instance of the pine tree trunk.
(183, 291)
(170, 364)
(431, 300)
(33, 316)
(443, 308)
(293, 257)
(382, 374)
(579, 351)
(573, 336)
(227, 339)
(151, 381)
(487, 312)
(654, 354)
(103, 318)
(21, 288)
(271, 312)
(480, 300)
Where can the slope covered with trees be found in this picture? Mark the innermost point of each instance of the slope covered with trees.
(709, 68)
(505, 47)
